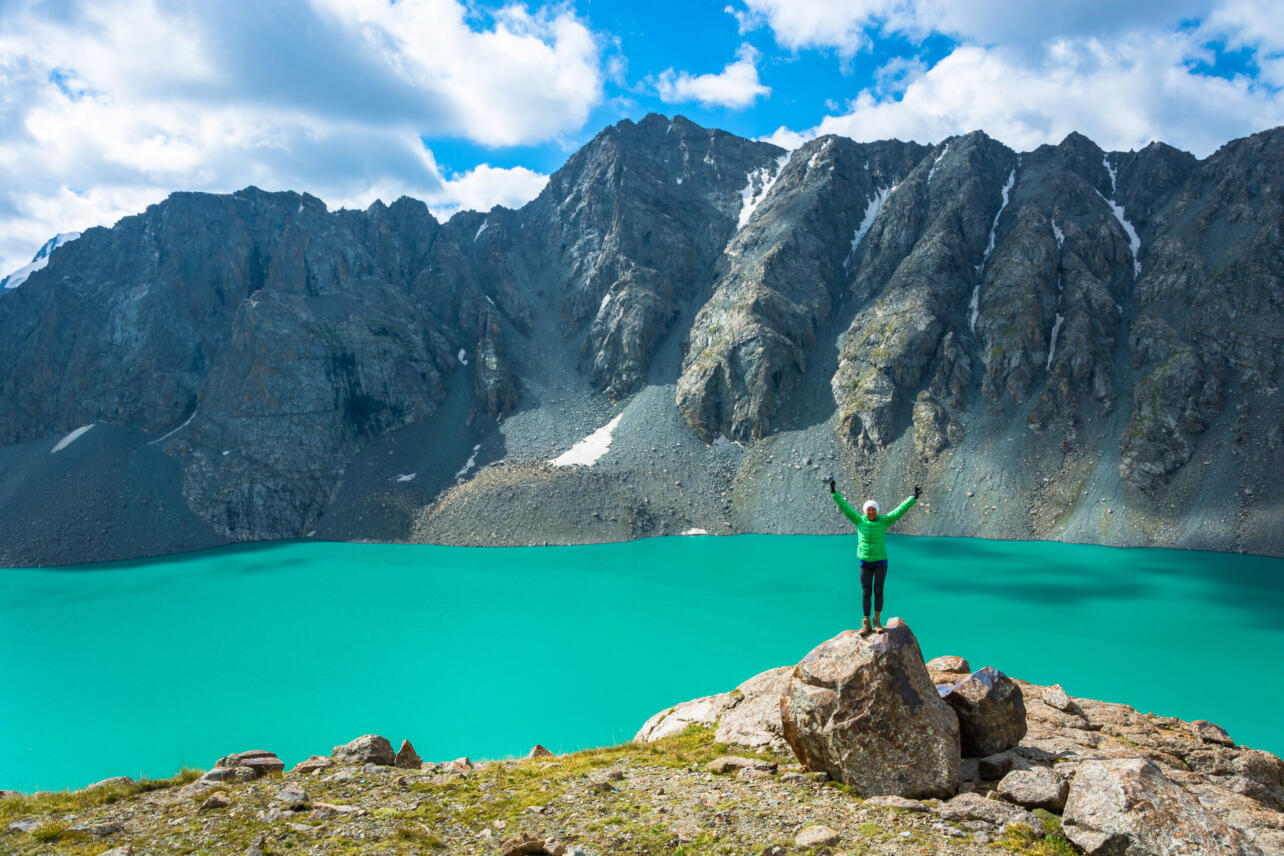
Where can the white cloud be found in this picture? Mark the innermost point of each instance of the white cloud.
(1122, 96)
(1031, 73)
(484, 187)
(737, 85)
(108, 105)
(847, 25)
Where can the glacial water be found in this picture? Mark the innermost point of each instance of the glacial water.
(142, 667)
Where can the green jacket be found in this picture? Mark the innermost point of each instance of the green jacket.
(872, 547)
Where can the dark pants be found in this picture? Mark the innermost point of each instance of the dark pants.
(872, 576)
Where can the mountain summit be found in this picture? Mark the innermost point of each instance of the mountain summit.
(1065, 343)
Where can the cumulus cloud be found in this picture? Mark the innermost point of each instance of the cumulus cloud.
(107, 106)
(1029, 76)
(737, 85)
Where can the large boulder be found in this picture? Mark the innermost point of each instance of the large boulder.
(991, 712)
(865, 711)
(1125, 806)
(367, 749)
(749, 715)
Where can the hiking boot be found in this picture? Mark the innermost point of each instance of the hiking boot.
(878, 623)
(865, 629)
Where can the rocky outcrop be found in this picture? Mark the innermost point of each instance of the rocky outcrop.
(367, 749)
(1129, 805)
(991, 712)
(865, 712)
(749, 715)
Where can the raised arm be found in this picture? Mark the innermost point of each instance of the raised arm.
(847, 510)
(895, 514)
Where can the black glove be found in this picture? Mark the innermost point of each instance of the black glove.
(917, 490)
(832, 487)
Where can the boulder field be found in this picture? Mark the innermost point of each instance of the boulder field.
(983, 749)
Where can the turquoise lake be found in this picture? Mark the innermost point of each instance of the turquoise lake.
(142, 667)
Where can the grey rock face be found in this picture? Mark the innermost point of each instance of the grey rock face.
(991, 712)
(1129, 805)
(865, 712)
(749, 715)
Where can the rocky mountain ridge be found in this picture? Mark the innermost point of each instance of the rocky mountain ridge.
(1065, 343)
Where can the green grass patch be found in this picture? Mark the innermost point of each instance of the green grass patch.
(54, 801)
(1020, 838)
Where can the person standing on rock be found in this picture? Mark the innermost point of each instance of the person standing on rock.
(872, 549)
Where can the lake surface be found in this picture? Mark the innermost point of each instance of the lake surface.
(142, 667)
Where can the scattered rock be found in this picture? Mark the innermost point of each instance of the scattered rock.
(892, 801)
(294, 797)
(4, 794)
(321, 809)
(538, 752)
(798, 779)
(24, 825)
(991, 712)
(459, 765)
(991, 768)
(114, 780)
(966, 807)
(1055, 696)
(367, 749)
(255, 849)
(865, 711)
(817, 836)
(260, 761)
(407, 758)
(950, 665)
(218, 799)
(1038, 787)
(1211, 733)
(122, 850)
(229, 774)
(522, 844)
(727, 763)
(1127, 805)
(312, 764)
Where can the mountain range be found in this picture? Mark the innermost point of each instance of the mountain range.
(1065, 343)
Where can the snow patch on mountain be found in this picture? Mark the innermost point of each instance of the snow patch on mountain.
(71, 438)
(38, 262)
(586, 452)
(871, 214)
(931, 172)
(1134, 240)
(758, 183)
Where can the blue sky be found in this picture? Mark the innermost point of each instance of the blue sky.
(106, 106)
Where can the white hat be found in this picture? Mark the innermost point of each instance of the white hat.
(868, 505)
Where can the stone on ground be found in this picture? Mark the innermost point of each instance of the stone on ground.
(1038, 787)
(864, 710)
(817, 836)
(1055, 696)
(897, 802)
(1210, 732)
(312, 764)
(976, 807)
(260, 761)
(114, 780)
(367, 749)
(218, 799)
(538, 751)
(1127, 805)
(407, 758)
(991, 712)
(728, 763)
